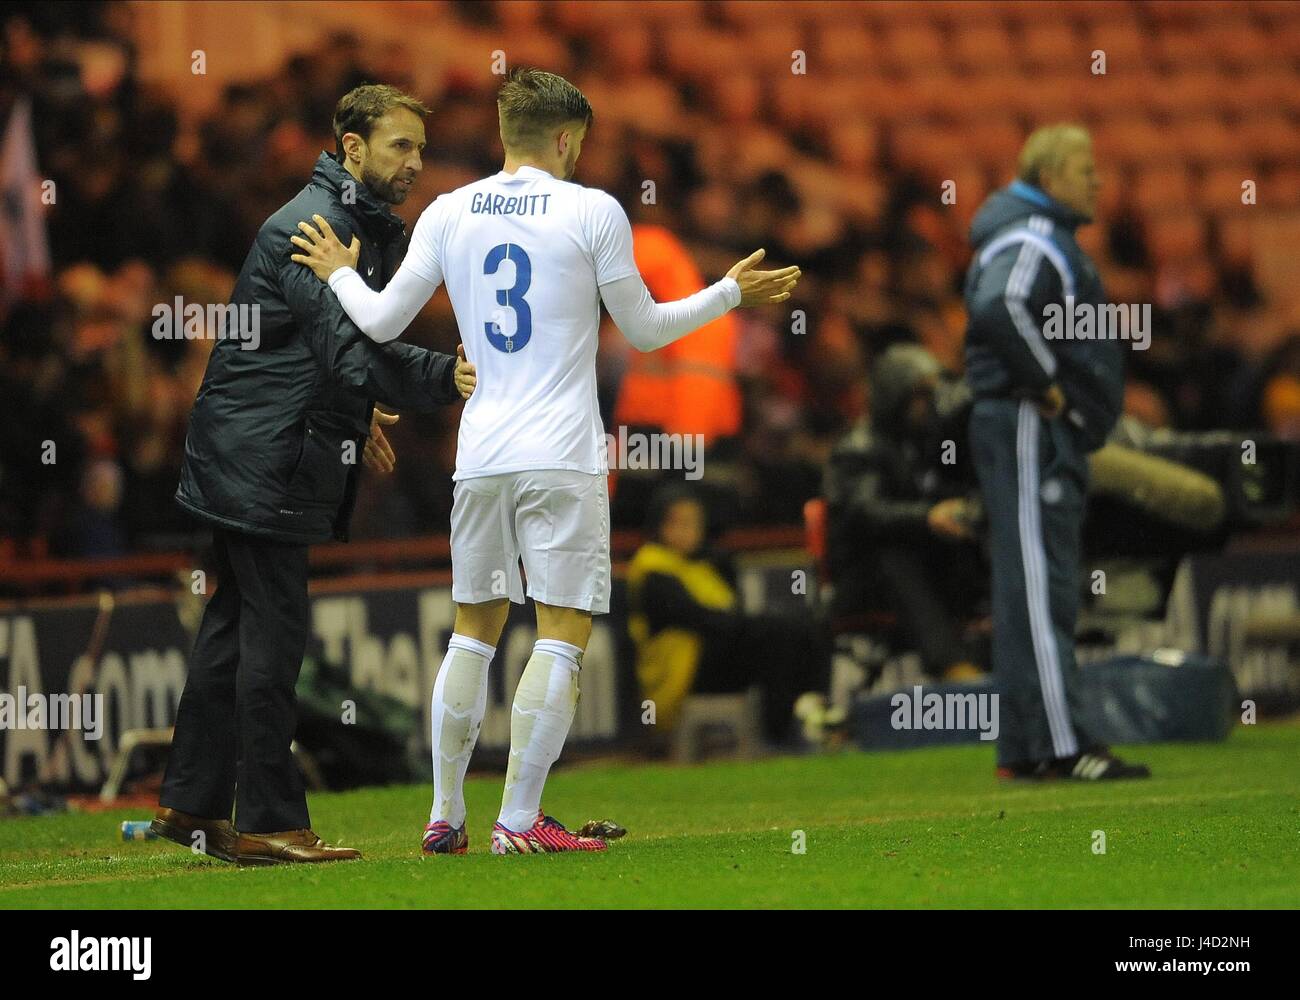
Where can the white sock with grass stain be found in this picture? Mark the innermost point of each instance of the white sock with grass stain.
(539, 724)
(455, 715)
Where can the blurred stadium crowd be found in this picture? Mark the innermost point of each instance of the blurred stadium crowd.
(840, 170)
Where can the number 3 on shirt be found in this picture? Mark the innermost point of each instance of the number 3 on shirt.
(511, 298)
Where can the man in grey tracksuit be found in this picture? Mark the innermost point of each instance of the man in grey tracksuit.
(1042, 404)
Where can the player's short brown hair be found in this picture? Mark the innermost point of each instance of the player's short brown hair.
(359, 109)
(532, 103)
(1046, 149)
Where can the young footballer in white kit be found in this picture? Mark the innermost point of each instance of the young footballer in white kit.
(527, 257)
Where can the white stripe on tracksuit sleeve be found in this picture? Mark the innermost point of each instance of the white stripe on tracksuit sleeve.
(1035, 246)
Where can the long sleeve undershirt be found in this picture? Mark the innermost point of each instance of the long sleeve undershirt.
(648, 325)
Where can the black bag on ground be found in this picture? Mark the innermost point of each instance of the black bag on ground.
(1169, 695)
(371, 749)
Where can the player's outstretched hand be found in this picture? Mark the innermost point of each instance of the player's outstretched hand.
(466, 376)
(761, 288)
(322, 251)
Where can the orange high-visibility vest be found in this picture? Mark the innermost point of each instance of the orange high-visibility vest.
(688, 387)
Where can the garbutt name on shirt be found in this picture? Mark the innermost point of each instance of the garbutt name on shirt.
(486, 203)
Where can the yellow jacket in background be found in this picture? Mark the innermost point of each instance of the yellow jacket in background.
(666, 661)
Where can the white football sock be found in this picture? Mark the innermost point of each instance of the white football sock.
(539, 723)
(455, 715)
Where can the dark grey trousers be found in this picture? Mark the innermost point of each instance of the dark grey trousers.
(1033, 474)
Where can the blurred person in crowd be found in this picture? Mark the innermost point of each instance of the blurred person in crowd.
(211, 181)
(691, 635)
(129, 402)
(688, 387)
(879, 313)
(41, 451)
(286, 407)
(99, 521)
(800, 392)
(1041, 405)
(904, 515)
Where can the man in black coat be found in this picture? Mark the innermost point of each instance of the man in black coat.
(286, 408)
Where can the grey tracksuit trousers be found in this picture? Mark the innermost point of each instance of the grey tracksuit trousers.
(1033, 473)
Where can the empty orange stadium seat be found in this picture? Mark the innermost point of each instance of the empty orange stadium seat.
(916, 48)
(983, 45)
(768, 47)
(1282, 188)
(1176, 236)
(1205, 140)
(1163, 187)
(1221, 187)
(844, 49)
(1125, 46)
(1051, 47)
(1131, 140)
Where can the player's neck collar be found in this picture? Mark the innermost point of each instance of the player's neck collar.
(527, 170)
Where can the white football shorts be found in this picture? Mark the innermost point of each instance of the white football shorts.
(555, 519)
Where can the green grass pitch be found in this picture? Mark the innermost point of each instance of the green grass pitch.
(1218, 826)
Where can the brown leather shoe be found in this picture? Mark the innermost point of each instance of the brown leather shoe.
(219, 835)
(289, 847)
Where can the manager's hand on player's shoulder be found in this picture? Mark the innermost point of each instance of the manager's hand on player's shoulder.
(466, 377)
(322, 251)
(761, 288)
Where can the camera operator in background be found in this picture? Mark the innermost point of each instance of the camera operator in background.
(903, 513)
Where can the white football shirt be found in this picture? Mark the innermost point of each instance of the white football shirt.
(526, 258)
(523, 256)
